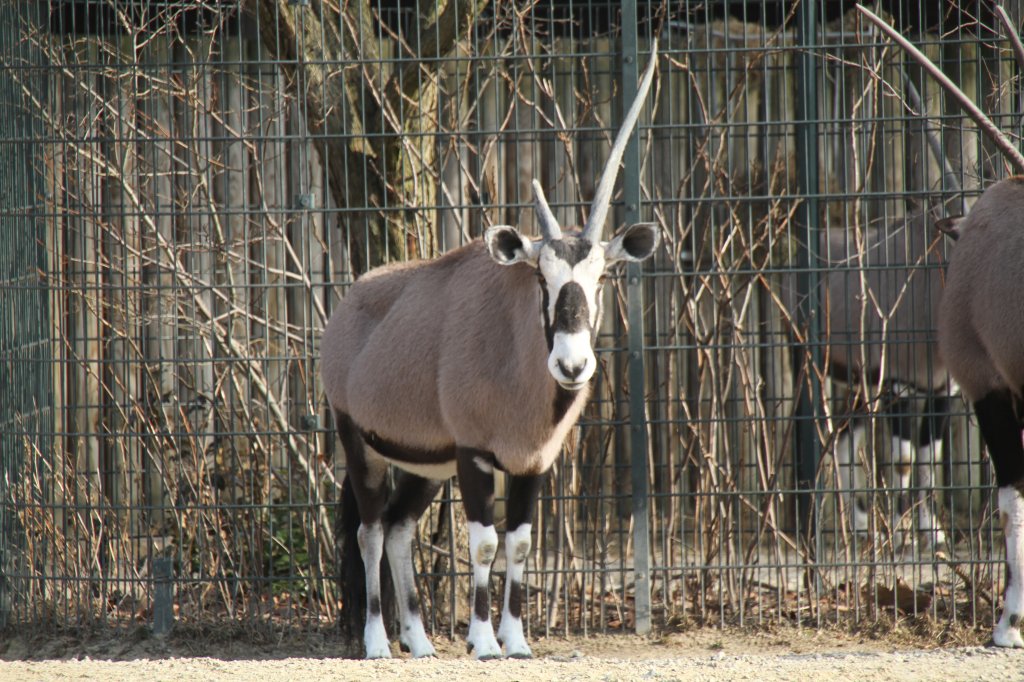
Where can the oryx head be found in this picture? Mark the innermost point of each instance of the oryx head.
(571, 266)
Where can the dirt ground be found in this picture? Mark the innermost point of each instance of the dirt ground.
(766, 653)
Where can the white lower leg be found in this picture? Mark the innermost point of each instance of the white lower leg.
(902, 457)
(399, 547)
(510, 631)
(371, 546)
(1011, 513)
(928, 524)
(483, 545)
(847, 455)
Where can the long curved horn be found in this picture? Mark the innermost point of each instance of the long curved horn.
(603, 195)
(549, 228)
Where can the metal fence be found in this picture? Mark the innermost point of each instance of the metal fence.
(188, 187)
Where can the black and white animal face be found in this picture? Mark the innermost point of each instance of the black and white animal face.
(571, 270)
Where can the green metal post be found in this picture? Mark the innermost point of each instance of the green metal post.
(808, 445)
(634, 302)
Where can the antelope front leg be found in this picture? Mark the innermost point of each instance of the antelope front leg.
(411, 498)
(1001, 430)
(522, 500)
(1011, 513)
(847, 454)
(371, 544)
(475, 470)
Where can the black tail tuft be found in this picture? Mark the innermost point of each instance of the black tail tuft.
(351, 573)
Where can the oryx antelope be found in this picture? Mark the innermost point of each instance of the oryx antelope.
(880, 300)
(981, 338)
(474, 362)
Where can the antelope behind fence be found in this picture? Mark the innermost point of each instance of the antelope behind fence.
(190, 246)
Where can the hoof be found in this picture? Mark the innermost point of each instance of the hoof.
(489, 653)
(1009, 638)
(378, 653)
(489, 657)
(426, 651)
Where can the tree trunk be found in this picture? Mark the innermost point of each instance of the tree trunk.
(376, 120)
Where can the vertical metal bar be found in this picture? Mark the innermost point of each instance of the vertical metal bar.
(808, 451)
(163, 595)
(634, 302)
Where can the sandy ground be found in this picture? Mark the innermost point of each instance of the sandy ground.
(777, 653)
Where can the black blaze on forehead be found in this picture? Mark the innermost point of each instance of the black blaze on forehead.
(572, 250)
(572, 314)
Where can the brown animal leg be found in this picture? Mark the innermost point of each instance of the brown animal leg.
(366, 475)
(1000, 427)
(522, 502)
(411, 497)
(476, 482)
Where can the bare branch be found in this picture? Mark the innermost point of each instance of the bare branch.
(985, 124)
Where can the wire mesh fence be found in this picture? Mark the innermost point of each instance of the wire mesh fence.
(189, 187)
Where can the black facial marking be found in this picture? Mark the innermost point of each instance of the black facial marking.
(482, 604)
(549, 332)
(515, 599)
(572, 251)
(571, 311)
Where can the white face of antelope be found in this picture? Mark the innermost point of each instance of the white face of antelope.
(571, 272)
(571, 268)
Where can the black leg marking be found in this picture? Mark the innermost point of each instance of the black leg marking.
(475, 469)
(515, 599)
(371, 498)
(523, 492)
(1009, 578)
(935, 423)
(375, 605)
(1000, 428)
(482, 604)
(903, 417)
(412, 495)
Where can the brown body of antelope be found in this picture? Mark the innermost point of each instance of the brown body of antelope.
(477, 361)
(880, 296)
(981, 338)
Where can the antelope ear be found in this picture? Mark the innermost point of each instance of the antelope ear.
(635, 243)
(508, 247)
(950, 226)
